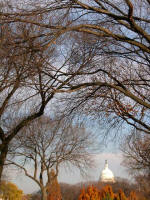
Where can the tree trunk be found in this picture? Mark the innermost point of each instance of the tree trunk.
(44, 194)
(3, 154)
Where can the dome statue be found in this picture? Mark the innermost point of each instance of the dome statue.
(107, 175)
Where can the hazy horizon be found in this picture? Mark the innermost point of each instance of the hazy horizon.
(73, 176)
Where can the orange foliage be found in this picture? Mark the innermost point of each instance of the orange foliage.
(121, 195)
(54, 192)
(132, 196)
(92, 193)
(106, 193)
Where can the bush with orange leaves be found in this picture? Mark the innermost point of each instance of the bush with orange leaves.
(106, 193)
(132, 196)
(92, 193)
(54, 192)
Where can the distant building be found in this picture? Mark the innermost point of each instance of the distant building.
(106, 174)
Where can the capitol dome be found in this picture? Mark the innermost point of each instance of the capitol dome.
(107, 175)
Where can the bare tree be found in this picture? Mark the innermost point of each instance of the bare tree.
(119, 84)
(136, 151)
(112, 80)
(119, 81)
(46, 144)
(143, 183)
(30, 75)
(20, 83)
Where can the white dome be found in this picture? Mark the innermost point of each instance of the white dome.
(107, 175)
